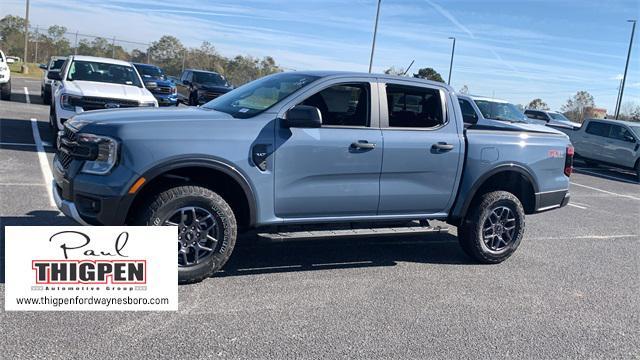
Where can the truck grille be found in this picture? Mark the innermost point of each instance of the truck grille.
(63, 156)
(163, 90)
(88, 103)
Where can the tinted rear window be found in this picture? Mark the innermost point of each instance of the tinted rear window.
(598, 128)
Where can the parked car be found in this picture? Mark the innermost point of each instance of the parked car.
(480, 111)
(551, 118)
(13, 59)
(92, 83)
(158, 84)
(611, 142)
(197, 87)
(5, 78)
(54, 64)
(306, 148)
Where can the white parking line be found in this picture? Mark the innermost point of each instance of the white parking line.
(605, 176)
(596, 237)
(577, 206)
(45, 143)
(44, 162)
(606, 192)
(26, 94)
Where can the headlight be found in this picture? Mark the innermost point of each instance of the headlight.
(68, 102)
(149, 103)
(106, 150)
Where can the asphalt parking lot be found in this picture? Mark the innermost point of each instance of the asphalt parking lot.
(570, 291)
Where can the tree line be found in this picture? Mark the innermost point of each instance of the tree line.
(168, 52)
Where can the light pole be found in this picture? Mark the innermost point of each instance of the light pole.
(453, 50)
(375, 32)
(626, 67)
(25, 69)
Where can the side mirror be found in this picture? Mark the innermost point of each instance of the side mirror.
(54, 75)
(303, 116)
(186, 82)
(629, 138)
(42, 66)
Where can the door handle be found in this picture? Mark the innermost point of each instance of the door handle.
(363, 145)
(442, 146)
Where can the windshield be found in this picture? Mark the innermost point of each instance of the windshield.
(558, 116)
(259, 95)
(209, 78)
(500, 111)
(56, 64)
(102, 72)
(150, 72)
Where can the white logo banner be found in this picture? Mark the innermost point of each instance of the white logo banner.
(75, 268)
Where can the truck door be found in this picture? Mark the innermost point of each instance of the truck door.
(423, 149)
(182, 88)
(593, 141)
(333, 170)
(621, 146)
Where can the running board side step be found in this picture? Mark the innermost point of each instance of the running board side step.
(344, 233)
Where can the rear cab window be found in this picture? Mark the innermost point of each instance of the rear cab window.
(598, 128)
(414, 107)
(469, 114)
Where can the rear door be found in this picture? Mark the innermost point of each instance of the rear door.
(423, 149)
(621, 146)
(333, 170)
(594, 140)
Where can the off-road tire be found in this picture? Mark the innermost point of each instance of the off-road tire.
(5, 91)
(162, 205)
(470, 233)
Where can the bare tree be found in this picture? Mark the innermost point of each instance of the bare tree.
(576, 107)
(537, 104)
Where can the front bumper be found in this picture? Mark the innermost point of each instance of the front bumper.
(166, 100)
(66, 207)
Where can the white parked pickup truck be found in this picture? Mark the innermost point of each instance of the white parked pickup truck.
(88, 83)
(607, 141)
(5, 78)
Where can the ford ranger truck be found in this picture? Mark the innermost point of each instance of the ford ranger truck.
(335, 153)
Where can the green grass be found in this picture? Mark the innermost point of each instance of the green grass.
(34, 70)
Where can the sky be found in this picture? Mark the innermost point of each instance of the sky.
(516, 50)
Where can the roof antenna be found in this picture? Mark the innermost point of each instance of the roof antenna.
(405, 72)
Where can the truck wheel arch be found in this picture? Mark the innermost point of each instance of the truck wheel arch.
(184, 169)
(526, 190)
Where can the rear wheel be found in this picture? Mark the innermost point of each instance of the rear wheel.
(494, 228)
(5, 91)
(206, 224)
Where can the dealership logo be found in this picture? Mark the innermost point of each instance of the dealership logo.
(118, 270)
(91, 268)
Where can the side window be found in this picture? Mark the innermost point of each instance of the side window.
(542, 116)
(598, 128)
(468, 112)
(414, 107)
(620, 133)
(190, 76)
(530, 114)
(342, 105)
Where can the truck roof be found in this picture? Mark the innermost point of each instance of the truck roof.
(485, 98)
(329, 73)
(614, 121)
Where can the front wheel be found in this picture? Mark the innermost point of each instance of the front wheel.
(206, 224)
(494, 228)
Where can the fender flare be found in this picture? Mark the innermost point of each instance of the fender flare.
(460, 209)
(217, 164)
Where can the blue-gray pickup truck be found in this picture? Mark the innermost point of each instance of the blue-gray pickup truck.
(311, 154)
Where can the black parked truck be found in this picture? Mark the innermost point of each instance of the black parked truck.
(197, 87)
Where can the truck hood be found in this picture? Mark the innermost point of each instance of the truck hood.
(216, 88)
(95, 121)
(159, 82)
(107, 90)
